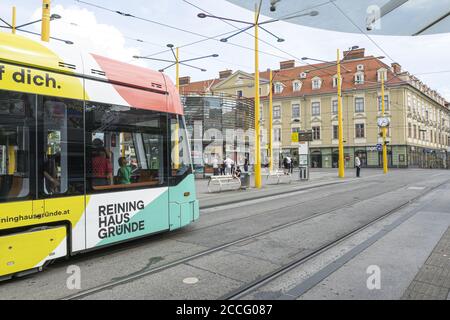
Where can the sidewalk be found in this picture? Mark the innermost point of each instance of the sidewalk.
(318, 178)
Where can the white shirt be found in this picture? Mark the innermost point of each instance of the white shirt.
(228, 162)
(357, 162)
(215, 163)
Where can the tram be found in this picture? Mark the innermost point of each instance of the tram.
(93, 152)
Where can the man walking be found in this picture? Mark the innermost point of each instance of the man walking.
(358, 166)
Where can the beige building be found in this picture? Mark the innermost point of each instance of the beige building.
(305, 98)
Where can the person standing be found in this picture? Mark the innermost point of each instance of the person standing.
(215, 164)
(358, 166)
(228, 163)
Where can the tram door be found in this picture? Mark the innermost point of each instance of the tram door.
(60, 150)
(17, 126)
(182, 198)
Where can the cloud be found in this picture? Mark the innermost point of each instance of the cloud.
(81, 27)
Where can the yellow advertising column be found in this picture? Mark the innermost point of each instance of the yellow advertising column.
(258, 182)
(340, 128)
(385, 158)
(45, 35)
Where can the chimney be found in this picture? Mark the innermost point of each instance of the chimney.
(185, 80)
(354, 54)
(287, 64)
(397, 68)
(225, 74)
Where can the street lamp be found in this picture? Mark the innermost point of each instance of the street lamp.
(177, 62)
(257, 25)
(14, 27)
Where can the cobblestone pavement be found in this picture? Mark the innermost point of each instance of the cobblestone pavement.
(433, 279)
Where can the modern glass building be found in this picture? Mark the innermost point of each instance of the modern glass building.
(219, 126)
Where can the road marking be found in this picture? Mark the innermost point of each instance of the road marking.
(190, 280)
(416, 188)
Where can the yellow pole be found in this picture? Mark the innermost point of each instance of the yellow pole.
(177, 125)
(258, 182)
(385, 159)
(13, 24)
(45, 35)
(340, 128)
(271, 121)
(178, 69)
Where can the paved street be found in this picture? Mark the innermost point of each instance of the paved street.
(331, 234)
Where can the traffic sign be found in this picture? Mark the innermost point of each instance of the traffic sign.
(379, 147)
(295, 136)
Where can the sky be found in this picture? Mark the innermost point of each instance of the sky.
(105, 32)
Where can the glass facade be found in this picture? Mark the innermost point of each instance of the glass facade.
(218, 127)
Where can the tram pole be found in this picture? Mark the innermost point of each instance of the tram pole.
(271, 120)
(385, 158)
(340, 124)
(45, 33)
(13, 24)
(258, 182)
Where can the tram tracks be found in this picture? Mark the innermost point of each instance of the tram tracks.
(264, 279)
(269, 277)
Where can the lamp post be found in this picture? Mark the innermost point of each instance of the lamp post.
(177, 62)
(385, 164)
(341, 162)
(257, 25)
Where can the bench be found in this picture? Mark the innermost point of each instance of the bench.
(279, 175)
(224, 181)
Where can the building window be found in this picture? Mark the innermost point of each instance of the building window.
(359, 78)
(296, 130)
(359, 104)
(315, 108)
(276, 112)
(335, 132)
(409, 130)
(278, 88)
(297, 86)
(360, 130)
(334, 107)
(335, 81)
(382, 74)
(277, 135)
(415, 131)
(386, 103)
(316, 133)
(239, 94)
(295, 111)
(316, 83)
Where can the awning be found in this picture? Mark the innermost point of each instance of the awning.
(374, 17)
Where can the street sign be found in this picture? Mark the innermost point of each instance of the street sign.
(305, 136)
(379, 147)
(295, 137)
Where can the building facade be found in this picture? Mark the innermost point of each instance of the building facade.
(305, 98)
(218, 126)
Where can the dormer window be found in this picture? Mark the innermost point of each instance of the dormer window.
(316, 83)
(335, 81)
(278, 87)
(382, 73)
(297, 86)
(359, 78)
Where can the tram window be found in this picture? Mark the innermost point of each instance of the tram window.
(61, 145)
(181, 164)
(125, 148)
(16, 123)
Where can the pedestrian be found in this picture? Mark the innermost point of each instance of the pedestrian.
(228, 163)
(246, 165)
(358, 166)
(289, 164)
(215, 164)
(222, 168)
